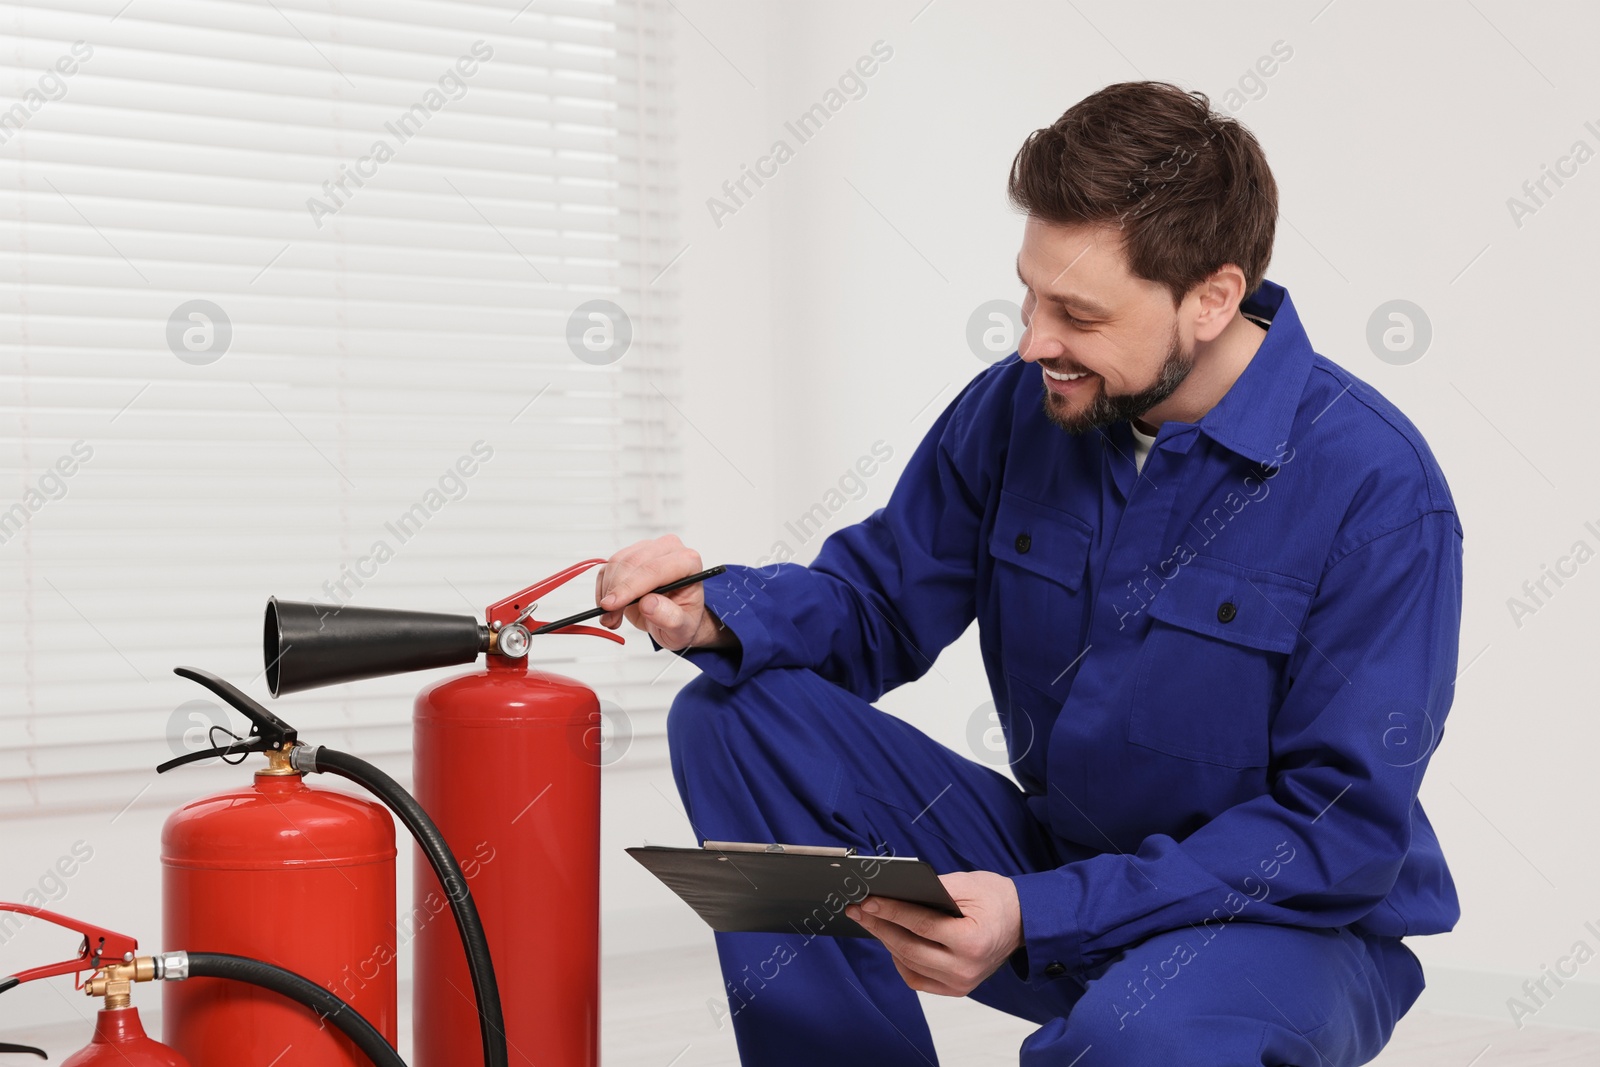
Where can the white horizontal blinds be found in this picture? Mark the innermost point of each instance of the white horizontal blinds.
(398, 418)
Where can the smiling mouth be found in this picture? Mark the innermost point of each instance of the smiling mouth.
(1064, 377)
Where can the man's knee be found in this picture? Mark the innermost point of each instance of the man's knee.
(704, 723)
(778, 693)
(696, 709)
(706, 716)
(778, 716)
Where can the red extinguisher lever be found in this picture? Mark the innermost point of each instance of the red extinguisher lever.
(510, 620)
(511, 632)
(100, 947)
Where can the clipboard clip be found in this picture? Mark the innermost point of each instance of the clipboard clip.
(795, 850)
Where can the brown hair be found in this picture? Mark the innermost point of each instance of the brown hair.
(1189, 189)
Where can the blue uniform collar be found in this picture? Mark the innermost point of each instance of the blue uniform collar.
(1254, 416)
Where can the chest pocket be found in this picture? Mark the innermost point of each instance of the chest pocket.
(1212, 669)
(1043, 556)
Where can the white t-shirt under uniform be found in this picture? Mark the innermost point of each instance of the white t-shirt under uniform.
(1141, 445)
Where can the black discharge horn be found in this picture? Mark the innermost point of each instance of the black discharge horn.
(310, 645)
(307, 645)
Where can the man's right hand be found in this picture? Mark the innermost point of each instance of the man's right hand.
(676, 620)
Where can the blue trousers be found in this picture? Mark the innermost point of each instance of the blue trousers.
(788, 756)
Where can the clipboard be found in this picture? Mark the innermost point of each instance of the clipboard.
(753, 887)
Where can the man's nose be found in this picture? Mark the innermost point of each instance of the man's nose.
(1036, 344)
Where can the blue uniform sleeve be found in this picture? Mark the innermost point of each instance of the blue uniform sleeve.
(1373, 677)
(886, 595)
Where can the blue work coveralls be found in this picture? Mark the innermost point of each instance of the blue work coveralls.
(1220, 680)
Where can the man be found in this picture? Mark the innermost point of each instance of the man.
(1217, 581)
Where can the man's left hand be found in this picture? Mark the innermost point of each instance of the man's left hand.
(935, 953)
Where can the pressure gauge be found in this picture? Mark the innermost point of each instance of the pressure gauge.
(513, 641)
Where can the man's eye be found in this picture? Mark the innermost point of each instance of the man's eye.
(1030, 302)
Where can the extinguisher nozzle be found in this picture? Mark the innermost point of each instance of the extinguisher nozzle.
(306, 645)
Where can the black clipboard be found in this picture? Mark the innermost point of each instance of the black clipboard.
(750, 887)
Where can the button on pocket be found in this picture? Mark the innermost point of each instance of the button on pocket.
(1211, 670)
(1041, 539)
(1041, 558)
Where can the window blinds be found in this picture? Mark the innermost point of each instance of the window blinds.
(300, 301)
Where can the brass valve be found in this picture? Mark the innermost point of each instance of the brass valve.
(115, 981)
(278, 760)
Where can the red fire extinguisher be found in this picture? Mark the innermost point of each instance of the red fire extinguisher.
(119, 1037)
(491, 748)
(298, 877)
(506, 759)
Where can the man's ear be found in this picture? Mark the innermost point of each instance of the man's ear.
(1219, 297)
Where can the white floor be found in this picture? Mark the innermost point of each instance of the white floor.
(658, 1012)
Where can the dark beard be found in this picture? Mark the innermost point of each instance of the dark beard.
(1105, 410)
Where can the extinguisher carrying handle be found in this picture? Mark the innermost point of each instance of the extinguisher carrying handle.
(100, 946)
(267, 732)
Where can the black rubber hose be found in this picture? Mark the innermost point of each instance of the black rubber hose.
(302, 990)
(23, 1050)
(485, 988)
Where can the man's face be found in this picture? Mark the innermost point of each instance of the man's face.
(1086, 315)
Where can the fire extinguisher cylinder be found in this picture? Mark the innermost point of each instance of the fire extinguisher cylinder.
(281, 743)
(320, 858)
